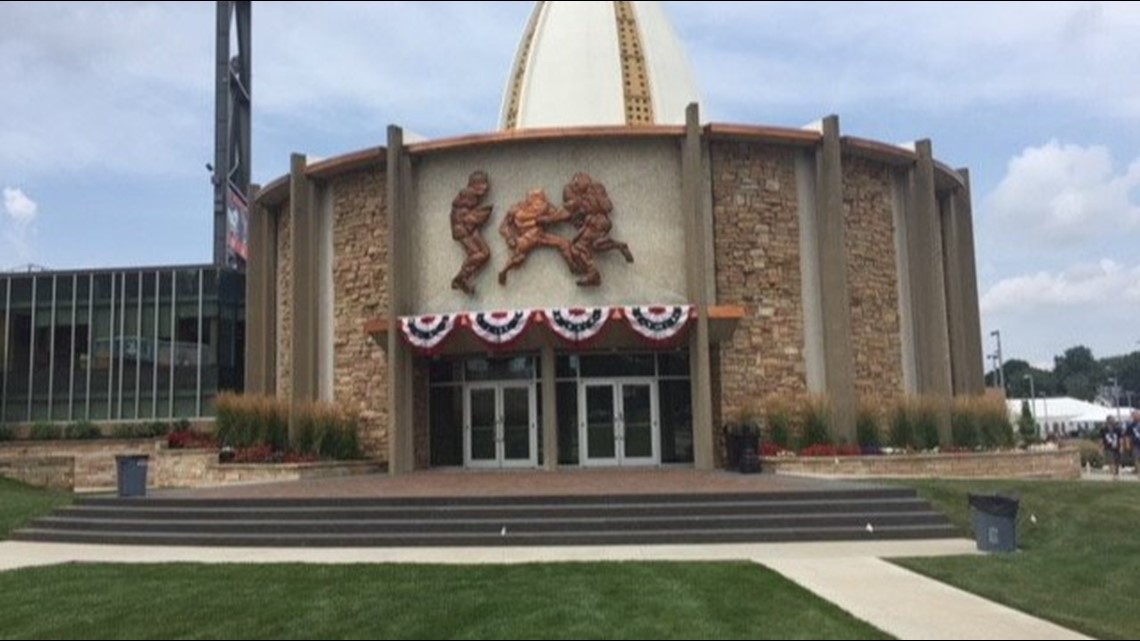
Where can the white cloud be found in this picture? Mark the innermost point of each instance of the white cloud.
(1063, 192)
(1087, 287)
(936, 57)
(20, 213)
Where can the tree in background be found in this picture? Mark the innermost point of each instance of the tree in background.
(1078, 373)
(1027, 425)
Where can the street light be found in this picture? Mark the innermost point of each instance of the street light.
(1115, 396)
(1000, 374)
(1032, 393)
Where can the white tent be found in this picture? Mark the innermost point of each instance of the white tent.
(1070, 416)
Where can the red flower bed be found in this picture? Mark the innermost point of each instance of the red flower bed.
(185, 439)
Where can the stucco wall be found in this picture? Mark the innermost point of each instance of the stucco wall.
(757, 246)
(642, 178)
(872, 278)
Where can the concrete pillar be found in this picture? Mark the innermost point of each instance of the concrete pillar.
(549, 402)
(401, 453)
(972, 364)
(900, 213)
(303, 227)
(698, 238)
(835, 300)
(952, 280)
(928, 292)
(261, 301)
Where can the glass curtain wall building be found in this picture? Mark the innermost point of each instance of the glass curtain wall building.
(119, 344)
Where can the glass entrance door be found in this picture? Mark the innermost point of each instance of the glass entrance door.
(500, 428)
(619, 422)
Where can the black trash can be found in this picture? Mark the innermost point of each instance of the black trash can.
(132, 474)
(995, 521)
(750, 457)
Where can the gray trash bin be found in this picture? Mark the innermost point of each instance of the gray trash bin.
(132, 474)
(995, 521)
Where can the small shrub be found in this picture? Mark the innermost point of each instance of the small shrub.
(964, 420)
(84, 431)
(340, 441)
(7, 433)
(994, 429)
(867, 426)
(817, 423)
(132, 431)
(926, 424)
(779, 426)
(903, 434)
(44, 431)
(1027, 425)
(1092, 453)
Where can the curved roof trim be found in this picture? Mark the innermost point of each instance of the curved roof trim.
(278, 190)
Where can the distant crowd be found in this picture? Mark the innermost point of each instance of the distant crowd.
(1122, 443)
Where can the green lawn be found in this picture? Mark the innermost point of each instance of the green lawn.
(20, 504)
(1078, 565)
(552, 601)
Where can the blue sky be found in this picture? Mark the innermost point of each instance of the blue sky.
(108, 107)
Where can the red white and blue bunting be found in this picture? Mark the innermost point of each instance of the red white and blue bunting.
(499, 328)
(578, 324)
(427, 333)
(659, 323)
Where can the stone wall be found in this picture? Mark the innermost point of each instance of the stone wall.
(872, 279)
(53, 472)
(1045, 464)
(284, 301)
(89, 466)
(756, 230)
(360, 258)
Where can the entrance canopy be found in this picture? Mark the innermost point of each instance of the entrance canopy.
(637, 327)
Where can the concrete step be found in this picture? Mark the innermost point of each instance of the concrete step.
(848, 514)
(145, 508)
(535, 524)
(699, 536)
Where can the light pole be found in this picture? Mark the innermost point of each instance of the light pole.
(1000, 374)
(1033, 402)
(1115, 396)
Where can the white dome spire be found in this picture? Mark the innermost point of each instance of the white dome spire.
(599, 63)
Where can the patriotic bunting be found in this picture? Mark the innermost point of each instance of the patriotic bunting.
(658, 323)
(578, 324)
(426, 333)
(499, 328)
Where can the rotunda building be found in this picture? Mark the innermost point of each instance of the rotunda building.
(607, 279)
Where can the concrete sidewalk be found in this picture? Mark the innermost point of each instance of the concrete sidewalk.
(849, 574)
(19, 554)
(911, 606)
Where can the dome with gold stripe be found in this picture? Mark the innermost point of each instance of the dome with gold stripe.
(599, 63)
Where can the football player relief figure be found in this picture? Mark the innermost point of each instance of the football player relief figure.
(590, 209)
(468, 216)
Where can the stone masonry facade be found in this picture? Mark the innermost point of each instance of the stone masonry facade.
(756, 231)
(872, 279)
(284, 301)
(360, 258)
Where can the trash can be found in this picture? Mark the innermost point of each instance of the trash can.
(995, 521)
(750, 457)
(132, 474)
